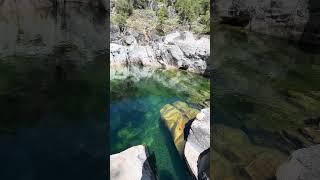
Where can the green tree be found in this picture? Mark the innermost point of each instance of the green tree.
(187, 10)
(205, 20)
(162, 15)
(123, 9)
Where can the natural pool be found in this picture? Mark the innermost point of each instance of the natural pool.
(266, 93)
(137, 95)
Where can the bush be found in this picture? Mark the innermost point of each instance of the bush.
(162, 15)
(123, 7)
(140, 4)
(204, 6)
(187, 10)
(119, 20)
(205, 20)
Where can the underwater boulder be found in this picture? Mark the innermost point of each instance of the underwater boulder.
(176, 116)
(244, 158)
(264, 166)
(196, 150)
(131, 164)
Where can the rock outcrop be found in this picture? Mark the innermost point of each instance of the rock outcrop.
(297, 20)
(132, 164)
(176, 50)
(176, 116)
(303, 164)
(196, 150)
(190, 131)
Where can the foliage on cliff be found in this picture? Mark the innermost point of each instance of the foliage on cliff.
(163, 15)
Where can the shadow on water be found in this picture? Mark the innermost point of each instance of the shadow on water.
(165, 175)
(149, 164)
(176, 159)
(312, 28)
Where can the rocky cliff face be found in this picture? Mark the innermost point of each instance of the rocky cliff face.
(297, 20)
(181, 50)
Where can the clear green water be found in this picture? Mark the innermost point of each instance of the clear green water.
(135, 116)
(263, 89)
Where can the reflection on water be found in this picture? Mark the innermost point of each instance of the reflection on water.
(267, 103)
(34, 28)
(52, 91)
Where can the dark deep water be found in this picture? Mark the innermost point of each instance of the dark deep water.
(266, 91)
(52, 92)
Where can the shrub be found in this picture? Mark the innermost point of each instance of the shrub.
(187, 10)
(205, 20)
(123, 7)
(119, 20)
(162, 15)
(140, 4)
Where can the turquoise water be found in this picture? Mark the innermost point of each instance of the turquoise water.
(135, 116)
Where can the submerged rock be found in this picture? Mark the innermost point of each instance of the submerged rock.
(132, 164)
(241, 158)
(303, 164)
(175, 117)
(196, 150)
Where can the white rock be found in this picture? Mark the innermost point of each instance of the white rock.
(179, 50)
(131, 164)
(118, 54)
(171, 38)
(142, 55)
(198, 140)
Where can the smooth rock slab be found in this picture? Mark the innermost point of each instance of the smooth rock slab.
(131, 164)
(176, 116)
(304, 164)
(198, 142)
